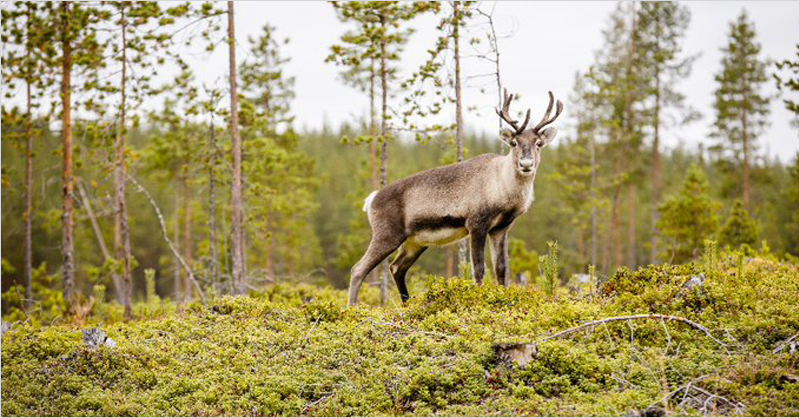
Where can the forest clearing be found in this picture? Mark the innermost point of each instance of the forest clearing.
(221, 208)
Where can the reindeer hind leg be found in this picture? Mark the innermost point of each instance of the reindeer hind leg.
(408, 255)
(380, 247)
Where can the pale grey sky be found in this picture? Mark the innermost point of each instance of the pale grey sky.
(548, 43)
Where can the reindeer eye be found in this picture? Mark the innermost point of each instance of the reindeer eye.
(513, 142)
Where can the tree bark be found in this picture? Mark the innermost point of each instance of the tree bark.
(187, 234)
(374, 275)
(67, 216)
(746, 162)
(122, 244)
(384, 148)
(593, 195)
(632, 226)
(176, 235)
(28, 211)
(462, 246)
(212, 205)
(656, 197)
(269, 269)
(236, 150)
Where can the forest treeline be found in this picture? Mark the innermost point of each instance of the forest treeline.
(217, 193)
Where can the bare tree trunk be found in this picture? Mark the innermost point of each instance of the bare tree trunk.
(236, 149)
(187, 233)
(212, 205)
(631, 225)
(593, 194)
(615, 228)
(28, 211)
(67, 216)
(176, 236)
(384, 148)
(629, 128)
(122, 243)
(656, 198)
(462, 245)
(449, 262)
(374, 275)
(269, 270)
(746, 162)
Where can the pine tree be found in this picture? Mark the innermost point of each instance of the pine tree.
(77, 25)
(264, 79)
(237, 209)
(26, 39)
(660, 32)
(741, 108)
(740, 228)
(688, 217)
(137, 47)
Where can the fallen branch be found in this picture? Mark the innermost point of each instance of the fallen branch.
(87, 204)
(166, 238)
(523, 353)
(590, 324)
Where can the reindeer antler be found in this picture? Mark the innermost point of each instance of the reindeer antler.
(506, 117)
(545, 121)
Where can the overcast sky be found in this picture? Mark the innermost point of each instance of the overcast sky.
(548, 43)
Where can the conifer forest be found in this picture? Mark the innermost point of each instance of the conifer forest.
(194, 195)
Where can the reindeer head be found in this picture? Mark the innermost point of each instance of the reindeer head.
(526, 145)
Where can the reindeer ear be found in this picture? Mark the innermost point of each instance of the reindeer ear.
(506, 135)
(548, 135)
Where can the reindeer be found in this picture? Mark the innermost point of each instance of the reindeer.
(480, 197)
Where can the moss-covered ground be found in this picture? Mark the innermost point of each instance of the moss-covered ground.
(297, 350)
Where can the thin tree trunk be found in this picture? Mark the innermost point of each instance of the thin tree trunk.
(384, 148)
(187, 234)
(462, 245)
(269, 269)
(615, 227)
(593, 196)
(374, 275)
(236, 150)
(212, 205)
(656, 197)
(746, 165)
(122, 243)
(67, 216)
(176, 236)
(631, 225)
(449, 262)
(28, 211)
(373, 128)
(629, 128)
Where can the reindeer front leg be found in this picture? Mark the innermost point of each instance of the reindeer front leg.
(477, 239)
(500, 255)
